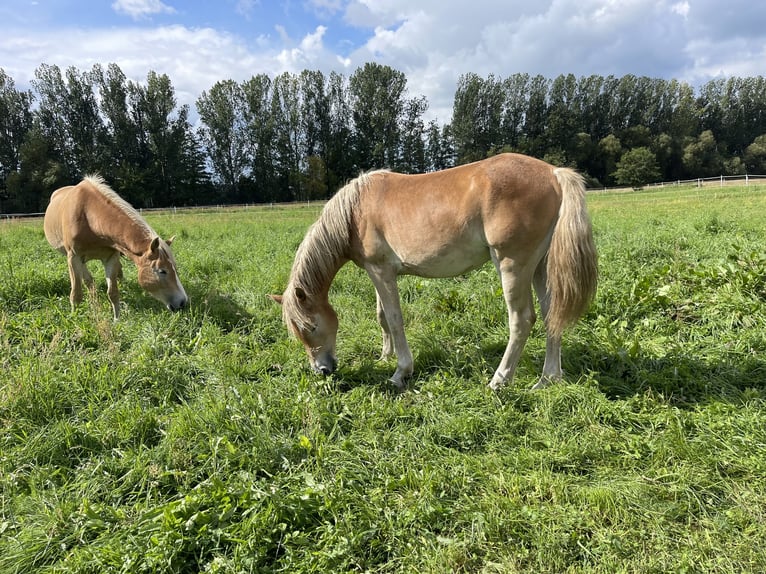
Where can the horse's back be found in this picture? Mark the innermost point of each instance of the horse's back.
(442, 223)
(66, 220)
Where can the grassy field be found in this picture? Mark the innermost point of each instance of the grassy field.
(200, 441)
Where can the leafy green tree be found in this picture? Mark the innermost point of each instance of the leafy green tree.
(340, 161)
(477, 117)
(412, 157)
(439, 148)
(68, 117)
(755, 156)
(563, 117)
(260, 134)
(123, 159)
(515, 90)
(377, 99)
(29, 189)
(637, 167)
(536, 117)
(16, 121)
(701, 157)
(287, 145)
(610, 150)
(223, 132)
(169, 149)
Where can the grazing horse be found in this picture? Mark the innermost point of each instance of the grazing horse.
(525, 215)
(90, 221)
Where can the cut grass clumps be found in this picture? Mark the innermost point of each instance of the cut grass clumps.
(201, 442)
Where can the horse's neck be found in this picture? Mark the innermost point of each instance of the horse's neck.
(317, 264)
(126, 234)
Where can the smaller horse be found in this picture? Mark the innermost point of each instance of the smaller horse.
(526, 216)
(90, 221)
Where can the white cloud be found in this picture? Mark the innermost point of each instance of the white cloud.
(432, 41)
(138, 9)
(682, 8)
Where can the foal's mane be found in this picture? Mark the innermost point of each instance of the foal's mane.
(323, 248)
(112, 197)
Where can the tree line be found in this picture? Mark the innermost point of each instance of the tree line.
(295, 137)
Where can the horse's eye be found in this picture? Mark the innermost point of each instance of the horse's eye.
(161, 271)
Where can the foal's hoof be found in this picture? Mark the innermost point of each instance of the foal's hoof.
(496, 383)
(543, 383)
(399, 384)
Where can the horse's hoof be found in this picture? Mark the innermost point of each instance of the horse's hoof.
(496, 383)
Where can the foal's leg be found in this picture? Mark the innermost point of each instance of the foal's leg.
(113, 272)
(517, 290)
(388, 342)
(77, 272)
(384, 281)
(552, 366)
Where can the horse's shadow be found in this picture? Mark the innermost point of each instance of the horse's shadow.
(683, 379)
(220, 308)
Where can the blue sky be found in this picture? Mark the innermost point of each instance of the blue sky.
(197, 43)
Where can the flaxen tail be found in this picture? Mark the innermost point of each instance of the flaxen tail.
(572, 266)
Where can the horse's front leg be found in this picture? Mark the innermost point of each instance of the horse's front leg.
(388, 341)
(384, 281)
(113, 272)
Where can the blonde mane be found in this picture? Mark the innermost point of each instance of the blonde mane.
(323, 249)
(100, 184)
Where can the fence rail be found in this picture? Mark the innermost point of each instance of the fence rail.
(720, 181)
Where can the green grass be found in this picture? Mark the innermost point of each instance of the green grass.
(200, 441)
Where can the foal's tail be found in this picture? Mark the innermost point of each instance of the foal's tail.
(572, 267)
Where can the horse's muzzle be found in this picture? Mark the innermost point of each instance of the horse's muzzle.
(182, 304)
(326, 367)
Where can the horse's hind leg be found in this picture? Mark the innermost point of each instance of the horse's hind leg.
(77, 273)
(113, 271)
(552, 366)
(517, 290)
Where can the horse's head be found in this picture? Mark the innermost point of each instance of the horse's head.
(313, 321)
(157, 274)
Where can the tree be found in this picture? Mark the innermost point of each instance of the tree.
(755, 156)
(439, 149)
(169, 151)
(287, 145)
(223, 118)
(636, 168)
(16, 121)
(477, 117)
(68, 117)
(701, 157)
(377, 95)
(259, 135)
(340, 161)
(413, 146)
(122, 154)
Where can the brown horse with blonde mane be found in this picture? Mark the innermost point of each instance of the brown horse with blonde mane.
(526, 216)
(90, 221)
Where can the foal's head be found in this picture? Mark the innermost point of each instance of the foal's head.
(313, 321)
(157, 274)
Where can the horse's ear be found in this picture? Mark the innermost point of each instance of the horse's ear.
(170, 241)
(276, 298)
(300, 294)
(155, 245)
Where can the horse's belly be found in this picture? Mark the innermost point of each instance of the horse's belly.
(446, 262)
